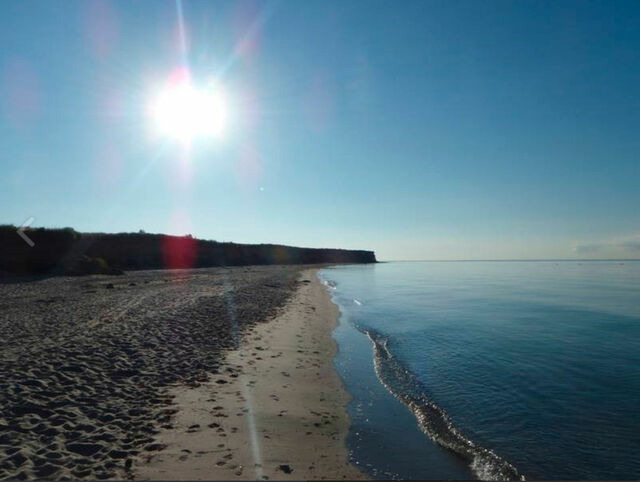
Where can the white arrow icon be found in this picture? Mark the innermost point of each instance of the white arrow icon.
(21, 233)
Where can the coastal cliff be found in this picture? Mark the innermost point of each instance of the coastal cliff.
(66, 251)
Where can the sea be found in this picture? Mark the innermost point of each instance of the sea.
(491, 370)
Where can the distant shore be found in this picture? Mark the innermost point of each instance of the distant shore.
(44, 251)
(211, 371)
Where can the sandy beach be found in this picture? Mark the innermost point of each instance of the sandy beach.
(279, 411)
(201, 374)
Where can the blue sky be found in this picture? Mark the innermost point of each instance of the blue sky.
(422, 130)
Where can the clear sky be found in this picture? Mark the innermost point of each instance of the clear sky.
(422, 130)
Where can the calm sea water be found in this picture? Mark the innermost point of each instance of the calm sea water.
(491, 369)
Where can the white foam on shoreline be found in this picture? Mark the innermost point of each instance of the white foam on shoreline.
(433, 420)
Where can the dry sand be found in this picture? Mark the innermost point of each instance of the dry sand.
(279, 411)
(86, 362)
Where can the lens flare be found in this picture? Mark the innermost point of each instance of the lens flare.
(184, 112)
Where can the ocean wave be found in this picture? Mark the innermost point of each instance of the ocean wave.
(432, 419)
(329, 283)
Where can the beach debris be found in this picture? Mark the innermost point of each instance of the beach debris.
(286, 468)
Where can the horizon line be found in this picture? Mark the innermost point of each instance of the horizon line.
(504, 260)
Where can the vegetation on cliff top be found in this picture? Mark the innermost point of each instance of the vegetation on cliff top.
(66, 251)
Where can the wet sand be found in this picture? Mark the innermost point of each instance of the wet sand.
(280, 413)
(100, 375)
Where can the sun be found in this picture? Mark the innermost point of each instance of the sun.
(184, 112)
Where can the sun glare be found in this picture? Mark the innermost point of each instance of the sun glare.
(184, 112)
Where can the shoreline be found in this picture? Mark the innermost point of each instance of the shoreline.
(88, 362)
(263, 415)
